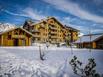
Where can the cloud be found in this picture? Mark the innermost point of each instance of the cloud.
(87, 30)
(67, 20)
(98, 2)
(74, 9)
(82, 26)
(11, 13)
(27, 12)
(33, 14)
(97, 31)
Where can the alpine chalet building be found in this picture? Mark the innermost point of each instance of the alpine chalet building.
(51, 30)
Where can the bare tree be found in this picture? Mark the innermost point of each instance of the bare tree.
(41, 54)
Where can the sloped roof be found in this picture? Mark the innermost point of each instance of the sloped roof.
(38, 22)
(71, 28)
(17, 28)
(86, 38)
(64, 26)
(56, 21)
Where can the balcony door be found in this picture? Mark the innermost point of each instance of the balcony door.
(16, 42)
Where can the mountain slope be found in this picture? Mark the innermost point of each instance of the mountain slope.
(6, 26)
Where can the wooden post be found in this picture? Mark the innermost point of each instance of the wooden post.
(1, 40)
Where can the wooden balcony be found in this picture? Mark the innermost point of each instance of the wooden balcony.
(53, 28)
(54, 37)
(35, 35)
(18, 36)
(53, 32)
(35, 31)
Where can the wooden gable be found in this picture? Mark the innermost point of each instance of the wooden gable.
(16, 37)
(54, 21)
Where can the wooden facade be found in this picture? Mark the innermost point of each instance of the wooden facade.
(51, 30)
(96, 43)
(99, 43)
(73, 34)
(15, 37)
(87, 45)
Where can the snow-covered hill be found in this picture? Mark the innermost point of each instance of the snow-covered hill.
(6, 26)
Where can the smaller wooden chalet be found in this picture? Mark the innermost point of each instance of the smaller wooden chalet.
(15, 37)
(90, 41)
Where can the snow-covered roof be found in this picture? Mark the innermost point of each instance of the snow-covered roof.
(86, 38)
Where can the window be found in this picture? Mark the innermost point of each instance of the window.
(21, 32)
(9, 37)
(38, 39)
(23, 42)
(16, 32)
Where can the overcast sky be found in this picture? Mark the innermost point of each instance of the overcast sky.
(80, 14)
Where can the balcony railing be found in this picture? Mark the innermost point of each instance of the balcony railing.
(53, 32)
(35, 31)
(54, 28)
(35, 35)
(54, 37)
(18, 36)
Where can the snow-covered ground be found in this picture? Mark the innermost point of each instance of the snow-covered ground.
(25, 61)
